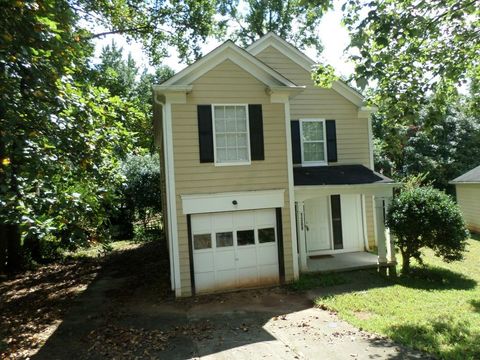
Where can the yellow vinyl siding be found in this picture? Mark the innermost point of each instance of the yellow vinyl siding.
(228, 83)
(468, 198)
(314, 102)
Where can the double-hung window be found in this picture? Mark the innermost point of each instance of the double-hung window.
(231, 134)
(313, 142)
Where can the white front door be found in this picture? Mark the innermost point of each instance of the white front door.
(317, 218)
(234, 249)
(352, 224)
(319, 228)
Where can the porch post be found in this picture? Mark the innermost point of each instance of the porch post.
(381, 231)
(301, 236)
(390, 239)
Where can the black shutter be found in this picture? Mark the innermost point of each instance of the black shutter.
(331, 141)
(205, 133)
(336, 221)
(255, 120)
(296, 146)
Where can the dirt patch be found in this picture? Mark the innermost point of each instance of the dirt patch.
(363, 315)
(32, 304)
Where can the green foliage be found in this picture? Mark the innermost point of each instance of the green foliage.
(121, 78)
(142, 187)
(61, 139)
(425, 217)
(410, 48)
(182, 24)
(324, 76)
(443, 141)
(294, 20)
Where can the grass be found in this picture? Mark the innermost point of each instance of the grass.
(312, 281)
(436, 309)
(99, 250)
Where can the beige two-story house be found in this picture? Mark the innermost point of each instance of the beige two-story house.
(266, 175)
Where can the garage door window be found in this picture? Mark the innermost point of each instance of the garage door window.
(224, 239)
(266, 235)
(202, 241)
(245, 237)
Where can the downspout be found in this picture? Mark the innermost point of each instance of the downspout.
(169, 215)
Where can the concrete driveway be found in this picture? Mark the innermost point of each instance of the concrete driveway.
(121, 315)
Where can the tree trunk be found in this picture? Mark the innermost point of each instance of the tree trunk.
(3, 248)
(405, 262)
(14, 257)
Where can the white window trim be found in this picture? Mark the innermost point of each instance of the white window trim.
(314, 163)
(232, 163)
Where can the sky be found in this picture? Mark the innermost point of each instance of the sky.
(333, 35)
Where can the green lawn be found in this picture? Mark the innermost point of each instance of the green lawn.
(436, 309)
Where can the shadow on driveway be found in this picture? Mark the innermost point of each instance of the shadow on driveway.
(128, 312)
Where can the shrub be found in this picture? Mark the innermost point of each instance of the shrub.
(426, 217)
(142, 186)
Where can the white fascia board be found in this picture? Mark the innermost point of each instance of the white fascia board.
(232, 201)
(464, 182)
(280, 94)
(303, 193)
(171, 88)
(348, 93)
(365, 112)
(229, 51)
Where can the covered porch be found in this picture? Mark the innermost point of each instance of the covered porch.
(342, 262)
(340, 213)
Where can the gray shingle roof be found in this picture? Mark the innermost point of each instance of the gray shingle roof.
(337, 175)
(472, 176)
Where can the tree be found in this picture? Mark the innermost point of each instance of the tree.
(425, 217)
(142, 185)
(443, 141)
(60, 141)
(293, 20)
(114, 73)
(158, 25)
(410, 48)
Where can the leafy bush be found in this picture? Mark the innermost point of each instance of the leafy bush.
(142, 186)
(425, 217)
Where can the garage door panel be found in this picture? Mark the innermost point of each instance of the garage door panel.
(237, 257)
(222, 222)
(247, 257)
(268, 272)
(226, 278)
(268, 255)
(202, 223)
(244, 220)
(206, 280)
(247, 276)
(225, 260)
(265, 217)
(204, 261)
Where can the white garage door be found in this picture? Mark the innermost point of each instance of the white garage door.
(234, 249)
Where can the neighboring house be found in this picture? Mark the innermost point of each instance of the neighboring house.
(468, 197)
(266, 175)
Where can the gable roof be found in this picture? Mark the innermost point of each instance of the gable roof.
(294, 54)
(229, 51)
(470, 177)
